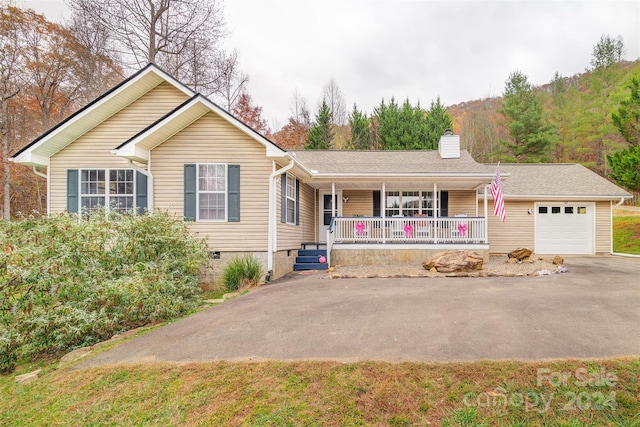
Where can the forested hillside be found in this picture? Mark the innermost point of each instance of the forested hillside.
(579, 108)
(48, 71)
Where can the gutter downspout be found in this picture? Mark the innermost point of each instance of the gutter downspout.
(272, 232)
(149, 183)
(45, 176)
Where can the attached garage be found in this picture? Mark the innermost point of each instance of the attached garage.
(554, 209)
(564, 228)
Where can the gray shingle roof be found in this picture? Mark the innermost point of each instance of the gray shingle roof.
(522, 180)
(556, 179)
(387, 162)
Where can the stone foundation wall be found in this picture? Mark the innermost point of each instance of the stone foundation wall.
(391, 256)
(210, 275)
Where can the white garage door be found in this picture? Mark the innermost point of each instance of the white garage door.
(564, 229)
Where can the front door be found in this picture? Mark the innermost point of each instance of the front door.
(325, 212)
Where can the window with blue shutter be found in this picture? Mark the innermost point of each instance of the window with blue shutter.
(290, 200)
(109, 189)
(212, 192)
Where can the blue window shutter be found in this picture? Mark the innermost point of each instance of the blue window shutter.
(376, 204)
(283, 198)
(72, 190)
(141, 193)
(297, 202)
(190, 189)
(233, 193)
(444, 203)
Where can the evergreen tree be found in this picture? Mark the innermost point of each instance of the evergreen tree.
(530, 133)
(625, 164)
(320, 135)
(401, 128)
(627, 119)
(625, 167)
(438, 120)
(359, 125)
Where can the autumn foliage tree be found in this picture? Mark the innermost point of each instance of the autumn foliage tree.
(251, 114)
(42, 83)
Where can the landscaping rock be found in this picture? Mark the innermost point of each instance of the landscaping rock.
(27, 378)
(75, 354)
(454, 261)
(558, 260)
(520, 253)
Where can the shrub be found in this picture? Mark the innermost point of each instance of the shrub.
(242, 272)
(68, 283)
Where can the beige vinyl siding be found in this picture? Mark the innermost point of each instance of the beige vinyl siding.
(211, 139)
(360, 203)
(517, 230)
(603, 227)
(93, 149)
(462, 203)
(290, 235)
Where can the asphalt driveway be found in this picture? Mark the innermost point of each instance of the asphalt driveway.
(592, 311)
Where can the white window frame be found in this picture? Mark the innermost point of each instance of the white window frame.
(291, 196)
(422, 195)
(225, 192)
(106, 194)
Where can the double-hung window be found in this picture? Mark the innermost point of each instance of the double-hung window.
(212, 192)
(113, 189)
(291, 199)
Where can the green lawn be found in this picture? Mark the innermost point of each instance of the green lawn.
(508, 393)
(626, 234)
(314, 393)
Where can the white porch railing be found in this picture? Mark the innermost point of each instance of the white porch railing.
(407, 230)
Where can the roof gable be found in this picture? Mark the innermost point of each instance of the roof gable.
(38, 152)
(137, 148)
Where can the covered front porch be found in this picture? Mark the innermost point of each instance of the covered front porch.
(397, 207)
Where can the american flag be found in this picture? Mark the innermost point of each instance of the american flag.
(498, 198)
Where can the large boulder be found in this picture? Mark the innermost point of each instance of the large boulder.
(453, 261)
(520, 253)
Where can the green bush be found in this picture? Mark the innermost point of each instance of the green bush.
(67, 283)
(242, 272)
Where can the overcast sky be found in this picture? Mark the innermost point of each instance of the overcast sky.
(374, 49)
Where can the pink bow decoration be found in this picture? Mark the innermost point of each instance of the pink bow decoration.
(462, 229)
(360, 228)
(408, 230)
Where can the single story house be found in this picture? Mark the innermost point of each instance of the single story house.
(153, 143)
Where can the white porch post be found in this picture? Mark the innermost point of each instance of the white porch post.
(383, 209)
(333, 200)
(486, 218)
(436, 208)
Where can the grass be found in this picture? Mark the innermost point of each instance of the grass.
(626, 231)
(579, 393)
